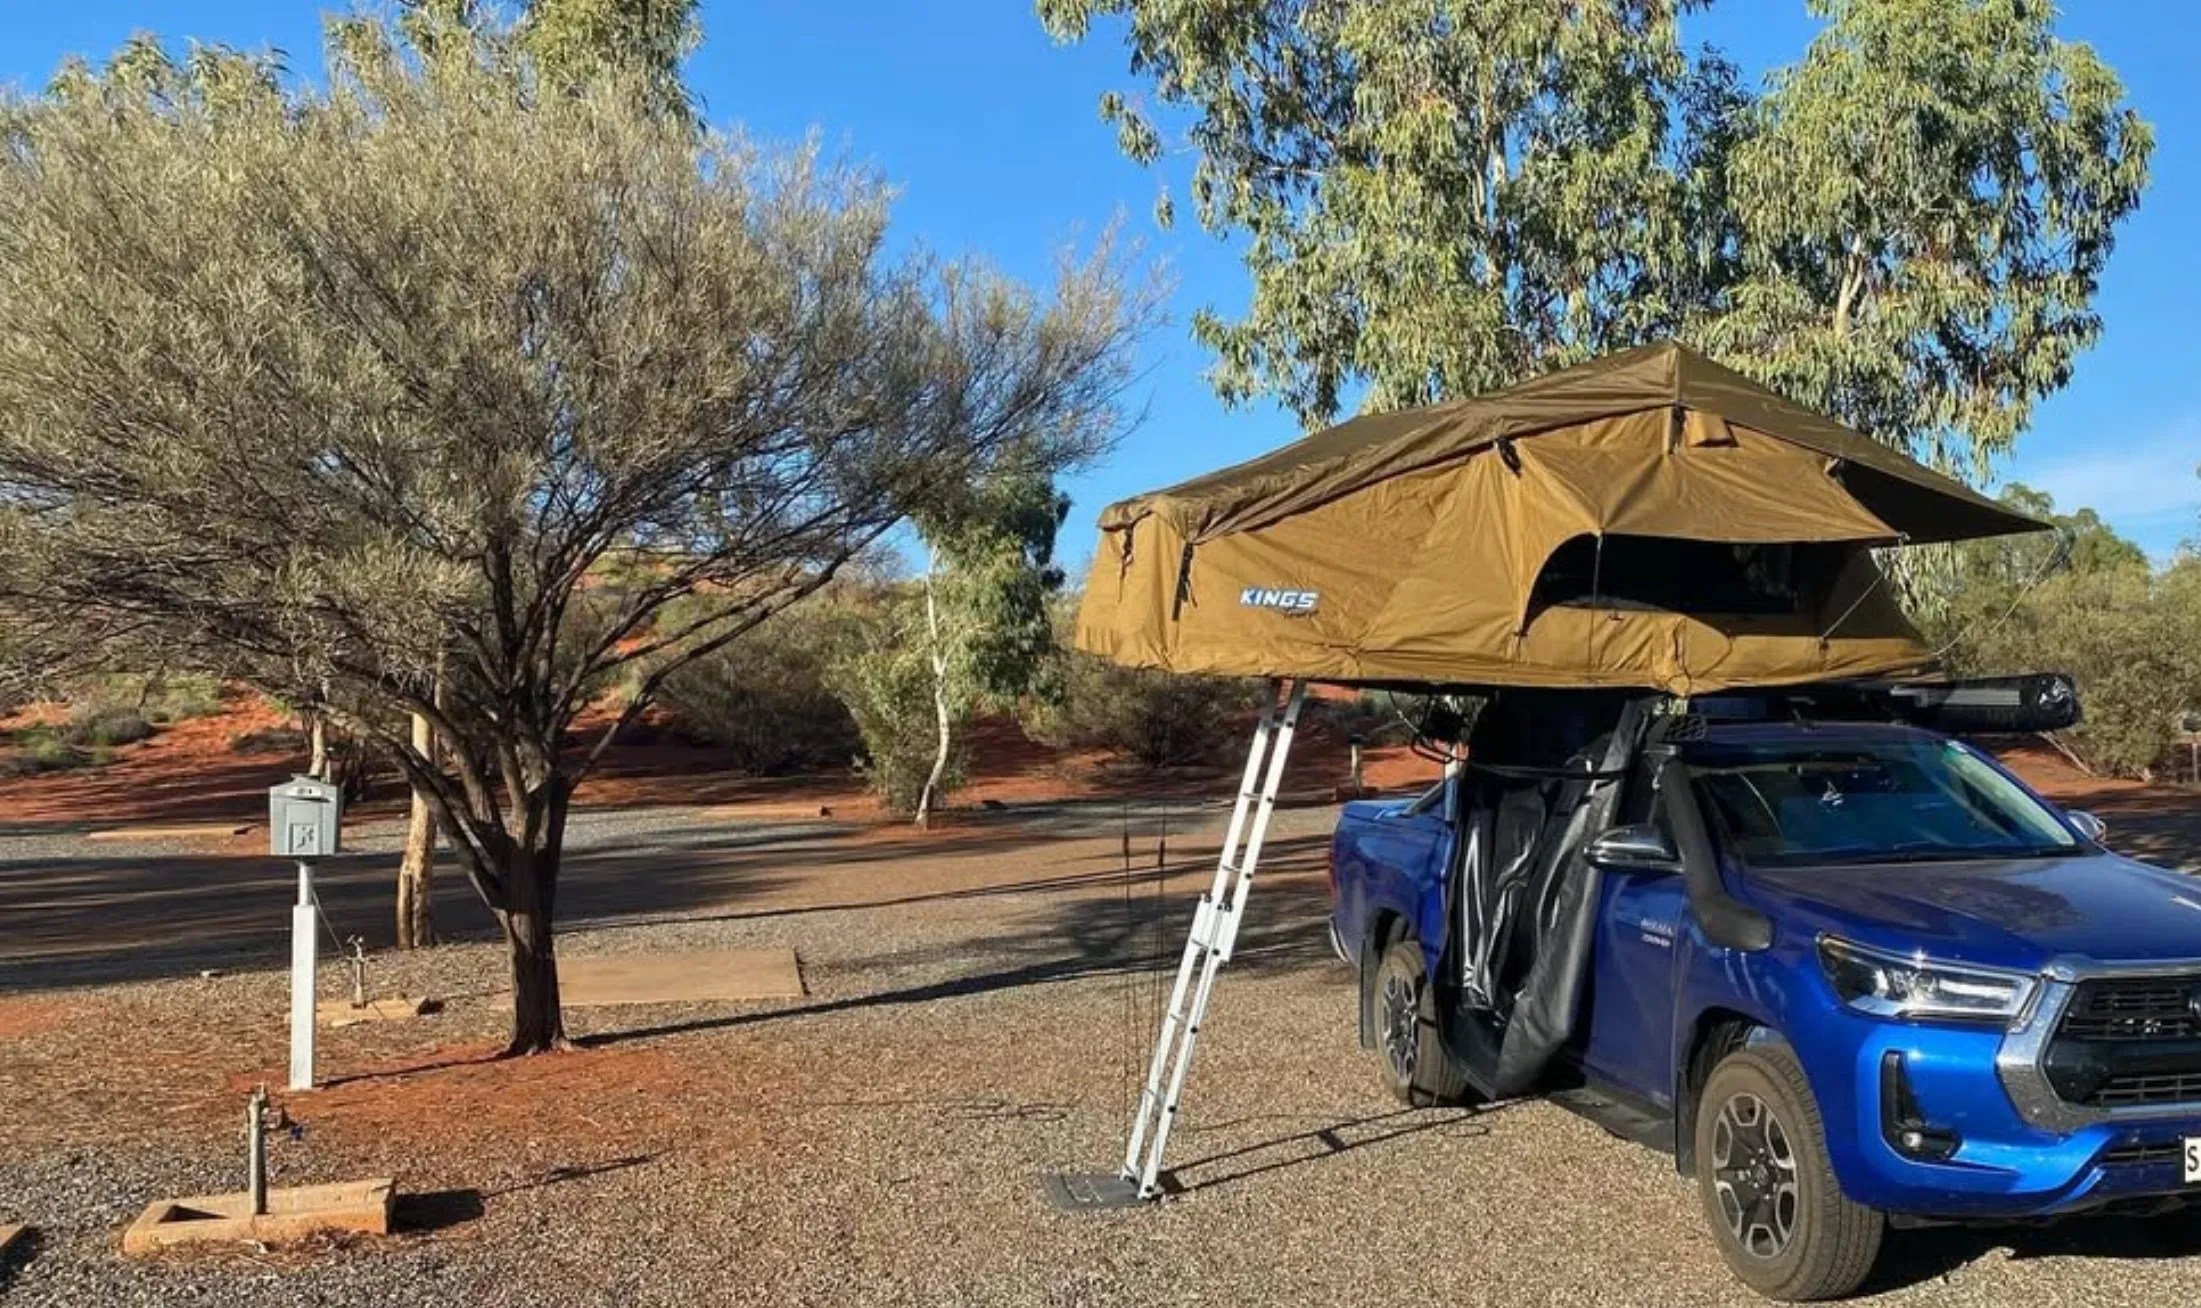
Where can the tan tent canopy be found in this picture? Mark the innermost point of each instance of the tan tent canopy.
(1647, 519)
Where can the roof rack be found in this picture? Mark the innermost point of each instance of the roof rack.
(2038, 701)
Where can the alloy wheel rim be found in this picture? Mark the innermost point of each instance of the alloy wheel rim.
(1400, 1047)
(1754, 1175)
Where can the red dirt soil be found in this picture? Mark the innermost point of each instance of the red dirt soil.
(191, 772)
(22, 1018)
(632, 1098)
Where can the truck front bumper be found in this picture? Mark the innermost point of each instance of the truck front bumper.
(1962, 1123)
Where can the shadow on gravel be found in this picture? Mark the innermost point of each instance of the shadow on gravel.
(1913, 1257)
(98, 919)
(1137, 934)
(1067, 881)
(436, 1210)
(561, 1175)
(25, 1247)
(411, 1069)
(1323, 1142)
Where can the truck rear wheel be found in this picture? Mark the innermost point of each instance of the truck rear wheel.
(1417, 1067)
(1779, 1217)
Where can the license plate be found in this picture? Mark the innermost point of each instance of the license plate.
(2193, 1159)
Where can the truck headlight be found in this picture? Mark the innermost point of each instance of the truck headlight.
(1912, 986)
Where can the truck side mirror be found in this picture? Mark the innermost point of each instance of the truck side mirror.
(1642, 847)
(2087, 825)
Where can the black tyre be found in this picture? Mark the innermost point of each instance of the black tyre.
(1416, 1065)
(1777, 1214)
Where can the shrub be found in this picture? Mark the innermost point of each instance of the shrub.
(106, 725)
(1160, 719)
(182, 699)
(765, 699)
(887, 684)
(1369, 716)
(46, 752)
(269, 740)
(2129, 638)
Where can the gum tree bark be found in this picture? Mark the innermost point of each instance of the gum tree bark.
(943, 719)
(416, 870)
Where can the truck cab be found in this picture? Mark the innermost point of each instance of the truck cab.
(1846, 968)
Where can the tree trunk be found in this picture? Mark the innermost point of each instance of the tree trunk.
(946, 729)
(930, 795)
(531, 888)
(317, 757)
(538, 1022)
(416, 872)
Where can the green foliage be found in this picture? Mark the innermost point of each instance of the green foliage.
(38, 750)
(352, 386)
(156, 699)
(1924, 204)
(1158, 719)
(643, 42)
(2084, 601)
(179, 699)
(106, 725)
(886, 680)
(1905, 230)
(1435, 199)
(974, 630)
(765, 698)
(993, 579)
(474, 337)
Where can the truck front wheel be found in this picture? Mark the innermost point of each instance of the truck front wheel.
(1779, 1217)
(1417, 1067)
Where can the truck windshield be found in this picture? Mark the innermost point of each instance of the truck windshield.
(1902, 798)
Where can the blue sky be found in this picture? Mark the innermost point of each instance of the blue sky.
(990, 134)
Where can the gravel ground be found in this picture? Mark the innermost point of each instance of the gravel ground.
(978, 1010)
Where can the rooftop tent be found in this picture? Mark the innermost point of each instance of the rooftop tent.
(1648, 519)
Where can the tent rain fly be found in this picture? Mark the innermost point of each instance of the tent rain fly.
(1650, 519)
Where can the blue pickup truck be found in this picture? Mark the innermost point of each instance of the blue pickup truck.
(1844, 967)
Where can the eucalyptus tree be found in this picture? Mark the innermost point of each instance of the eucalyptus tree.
(1907, 228)
(1924, 204)
(438, 365)
(1433, 199)
(577, 43)
(974, 628)
(988, 633)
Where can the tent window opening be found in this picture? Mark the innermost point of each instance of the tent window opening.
(1664, 574)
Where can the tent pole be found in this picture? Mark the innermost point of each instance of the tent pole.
(1214, 929)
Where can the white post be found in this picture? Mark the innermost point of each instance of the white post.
(302, 963)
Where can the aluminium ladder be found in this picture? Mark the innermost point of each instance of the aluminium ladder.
(1214, 930)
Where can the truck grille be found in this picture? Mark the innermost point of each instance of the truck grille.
(2135, 1008)
(2144, 1155)
(2128, 1042)
(2131, 1091)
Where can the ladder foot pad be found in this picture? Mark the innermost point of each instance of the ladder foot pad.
(1084, 1192)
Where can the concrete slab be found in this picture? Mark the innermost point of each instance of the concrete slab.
(397, 1008)
(361, 1207)
(177, 831)
(679, 977)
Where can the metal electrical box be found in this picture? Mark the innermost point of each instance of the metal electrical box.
(302, 818)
